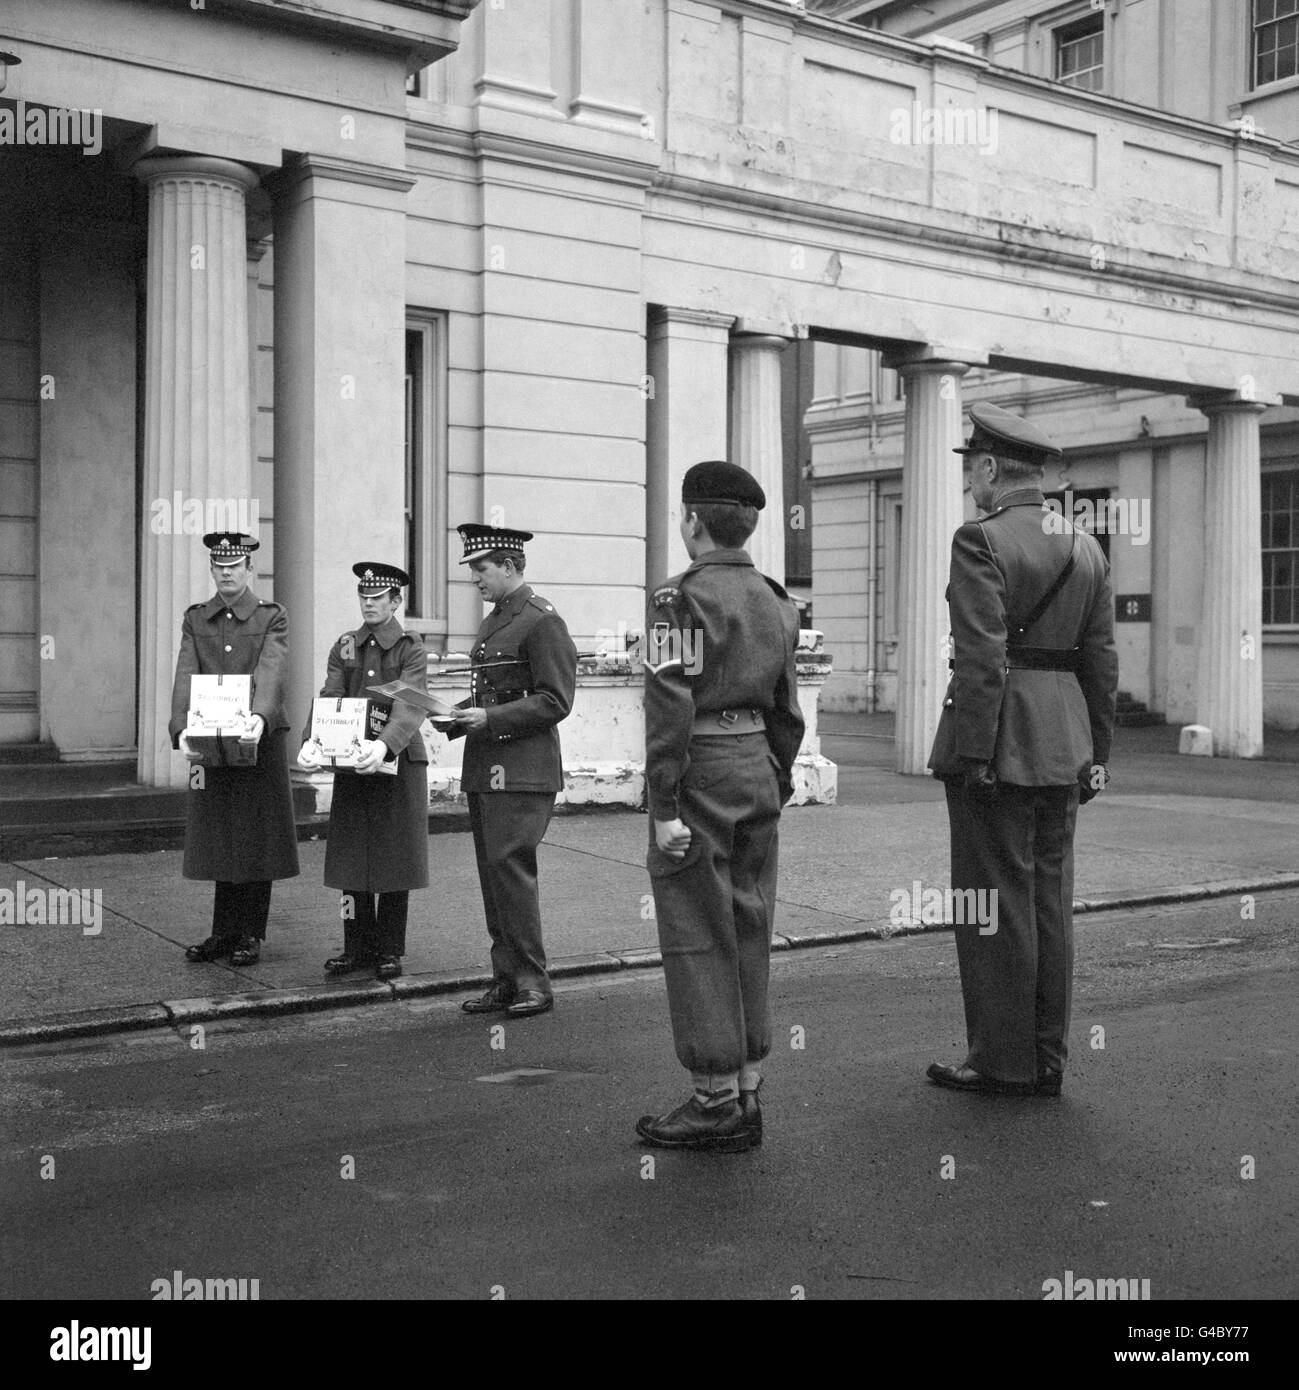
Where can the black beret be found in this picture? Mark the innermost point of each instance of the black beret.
(717, 482)
(997, 431)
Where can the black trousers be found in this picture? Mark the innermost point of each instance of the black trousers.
(241, 909)
(1016, 981)
(508, 827)
(368, 932)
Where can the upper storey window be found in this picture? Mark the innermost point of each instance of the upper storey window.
(1080, 53)
(1276, 40)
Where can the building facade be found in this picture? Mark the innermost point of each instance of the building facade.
(366, 270)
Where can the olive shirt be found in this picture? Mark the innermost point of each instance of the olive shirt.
(721, 636)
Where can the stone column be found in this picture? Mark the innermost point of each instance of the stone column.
(196, 411)
(1230, 693)
(931, 512)
(685, 422)
(340, 343)
(756, 440)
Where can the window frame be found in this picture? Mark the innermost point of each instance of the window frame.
(1091, 24)
(1272, 468)
(424, 468)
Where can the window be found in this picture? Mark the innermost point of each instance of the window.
(1280, 547)
(426, 471)
(1276, 40)
(1080, 53)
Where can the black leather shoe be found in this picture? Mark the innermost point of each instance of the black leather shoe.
(248, 952)
(528, 1002)
(344, 964)
(967, 1079)
(751, 1109)
(387, 967)
(214, 948)
(495, 1001)
(722, 1128)
(1048, 1083)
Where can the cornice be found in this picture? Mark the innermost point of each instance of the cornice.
(991, 245)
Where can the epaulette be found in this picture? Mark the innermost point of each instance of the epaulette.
(538, 602)
(193, 606)
(268, 603)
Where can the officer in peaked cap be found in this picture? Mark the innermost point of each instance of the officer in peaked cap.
(377, 848)
(722, 730)
(1023, 737)
(523, 677)
(240, 831)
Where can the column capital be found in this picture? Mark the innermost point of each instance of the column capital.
(703, 318)
(1225, 403)
(196, 168)
(769, 328)
(929, 366)
(750, 341)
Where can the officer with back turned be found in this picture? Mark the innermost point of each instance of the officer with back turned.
(722, 730)
(1024, 736)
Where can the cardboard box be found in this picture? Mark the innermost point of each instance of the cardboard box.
(218, 718)
(340, 726)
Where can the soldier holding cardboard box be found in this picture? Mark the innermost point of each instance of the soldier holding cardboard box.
(378, 826)
(240, 832)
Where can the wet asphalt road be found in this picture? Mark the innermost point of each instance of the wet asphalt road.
(515, 1170)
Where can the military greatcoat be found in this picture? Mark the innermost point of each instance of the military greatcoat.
(240, 826)
(378, 823)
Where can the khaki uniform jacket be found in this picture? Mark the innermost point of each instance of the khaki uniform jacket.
(524, 674)
(1036, 728)
(721, 636)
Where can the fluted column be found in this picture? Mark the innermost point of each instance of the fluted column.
(1230, 696)
(196, 412)
(931, 512)
(756, 440)
(685, 422)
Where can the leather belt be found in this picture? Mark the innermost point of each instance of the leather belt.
(1042, 659)
(727, 721)
(503, 697)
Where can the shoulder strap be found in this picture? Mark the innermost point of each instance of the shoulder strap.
(1048, 598)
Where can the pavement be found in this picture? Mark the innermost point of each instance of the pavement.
(1169, 829)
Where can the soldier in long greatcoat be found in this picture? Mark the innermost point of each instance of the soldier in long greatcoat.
(377, 849)
(240, 831)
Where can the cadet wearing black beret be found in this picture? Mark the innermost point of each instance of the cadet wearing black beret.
(722, 730)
